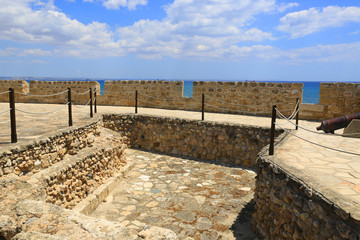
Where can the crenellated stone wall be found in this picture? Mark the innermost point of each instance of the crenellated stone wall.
(250, 98)
(210, 141)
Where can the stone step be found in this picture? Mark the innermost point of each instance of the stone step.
(69, 181)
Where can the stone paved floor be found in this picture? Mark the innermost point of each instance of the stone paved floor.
(194, 199)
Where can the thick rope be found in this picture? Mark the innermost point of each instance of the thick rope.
(41, 113)
(49, 95)
(4, 92)
(187, 105)
(83, 93)
(236, 111)
(77, 106)
(317, 144)
(7, 110)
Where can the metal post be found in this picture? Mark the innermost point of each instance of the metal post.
(136, 101)
(95, 101)
(203, 107)
(70, 107)
(12, 115)
(297, 113)
(272, 132)
(91, 104)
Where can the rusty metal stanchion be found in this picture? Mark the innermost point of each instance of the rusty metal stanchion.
(297, 113)
(12, 115)
(136, 101)
(203, 107)
(91, 104)
(70, 107)
(95, 110)
(272, 131)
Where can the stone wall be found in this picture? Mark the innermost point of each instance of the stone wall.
(251, 98)
(20, 86)
(42, 154)
(74, 180)
(287, 208)
(339, 98)
(229, 143)
(255, 98)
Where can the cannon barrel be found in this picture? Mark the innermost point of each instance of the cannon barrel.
(336, 123)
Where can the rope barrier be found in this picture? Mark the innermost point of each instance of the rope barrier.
(83, 93)
(4, 92)
(187, 105)
(7, 110)
(48, 95)
(42, 113)
(166, 99)
(236, 111)
(229, 103)
(317, 144)
(77, 106)
(122, 91)
(289, 118)
(322, 133)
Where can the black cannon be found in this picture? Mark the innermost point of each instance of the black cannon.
(329, 126)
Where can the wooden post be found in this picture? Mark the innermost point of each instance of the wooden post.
(136, 101)
(203, 107)
(95, 101)
(297, 113)
(70, 107)
(91, 104)
(12, 115)
(272, 131)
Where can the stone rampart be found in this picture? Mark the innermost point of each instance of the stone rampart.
(228, 143)
(250, 98)
(287, 207)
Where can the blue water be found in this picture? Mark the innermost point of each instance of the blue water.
(310, 90)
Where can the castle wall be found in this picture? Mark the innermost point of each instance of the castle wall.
(250, 98)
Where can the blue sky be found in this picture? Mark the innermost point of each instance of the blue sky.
(181, 39)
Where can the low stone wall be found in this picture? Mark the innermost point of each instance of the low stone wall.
(229, 143)
(44, 153)
(287, 208)
(73, 181)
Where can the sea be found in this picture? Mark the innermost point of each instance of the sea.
(310, 89)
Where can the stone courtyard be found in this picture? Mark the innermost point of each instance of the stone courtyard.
(194, 199)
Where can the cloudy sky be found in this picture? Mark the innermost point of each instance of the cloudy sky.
(181, 39)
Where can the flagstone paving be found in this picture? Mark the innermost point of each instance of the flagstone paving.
(194, 199)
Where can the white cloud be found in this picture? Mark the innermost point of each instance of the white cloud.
(130, 4)
(24, 52)
(203, 28)
(192, 29)
(20, 22)
(302, 23)
(37, 61)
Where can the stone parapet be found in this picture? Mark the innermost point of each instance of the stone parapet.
(287, 206)
(228, 143)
